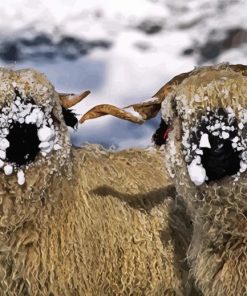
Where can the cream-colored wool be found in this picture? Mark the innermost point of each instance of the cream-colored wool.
(88, 221)
(218, 251)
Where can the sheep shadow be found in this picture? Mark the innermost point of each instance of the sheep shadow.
(141, 201)
(179, 222)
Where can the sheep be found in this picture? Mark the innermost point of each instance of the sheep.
(81, 221)
(206, 113)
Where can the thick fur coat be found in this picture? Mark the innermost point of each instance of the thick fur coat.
(204, 130)
(218, 250)
(88, 221)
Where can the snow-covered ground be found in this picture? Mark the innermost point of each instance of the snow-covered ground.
(122, 50)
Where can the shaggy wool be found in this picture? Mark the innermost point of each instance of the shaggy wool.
(110, 230)
(88, 221)
(218, 251)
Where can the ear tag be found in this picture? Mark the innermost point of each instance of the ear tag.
(166, 133)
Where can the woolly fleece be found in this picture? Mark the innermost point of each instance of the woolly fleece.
(218, 250)
(88, 221)
(112, 229)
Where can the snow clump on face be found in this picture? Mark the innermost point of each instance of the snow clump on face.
(21, 177)
(204, 141)
(197, 172)
(210, 135)
(25, 113)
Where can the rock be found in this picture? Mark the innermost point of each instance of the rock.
(214, 47)
(44, 47)
(150, 27)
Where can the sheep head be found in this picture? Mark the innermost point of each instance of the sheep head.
(206, 154)
(207, 145)
(34, 141)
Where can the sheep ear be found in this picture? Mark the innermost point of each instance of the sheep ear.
(136, 113)
(69, 100)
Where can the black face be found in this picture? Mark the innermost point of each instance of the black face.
(27, 129)
(19, 126)
(222, 158)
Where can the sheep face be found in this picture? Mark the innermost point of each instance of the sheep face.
(207, 139)
(34, 142)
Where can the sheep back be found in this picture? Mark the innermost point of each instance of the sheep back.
(114, 228)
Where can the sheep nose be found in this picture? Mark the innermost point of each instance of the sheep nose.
(23, 143)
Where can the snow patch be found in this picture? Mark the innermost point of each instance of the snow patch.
(21, 177)
(228, 127)
(204, 142)
(23, 110)
(2, 154)
(243, 166)
(8, 169)
(133, 112)
(45, 134)
(225, 135)
(4, 144)
(197, 172)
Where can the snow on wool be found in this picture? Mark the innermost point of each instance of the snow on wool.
(24, 111)
(216, 126)
(21, 177)
(204, 142)
(48, 216)
(218, 208)
(197, 172)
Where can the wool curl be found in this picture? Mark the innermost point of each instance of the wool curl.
(111, 230)
(89, 221)
(218, 249)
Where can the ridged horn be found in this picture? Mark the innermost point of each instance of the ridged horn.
(69, 100)
(140, 112)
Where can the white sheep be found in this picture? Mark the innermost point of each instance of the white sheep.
(81, 221)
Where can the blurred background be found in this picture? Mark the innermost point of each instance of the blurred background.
(122, 50)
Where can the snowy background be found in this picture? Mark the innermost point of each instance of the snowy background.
(122, 50)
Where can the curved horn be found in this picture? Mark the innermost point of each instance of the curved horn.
(136, 113)
(168, 87)
(70, 100)
(106, 109)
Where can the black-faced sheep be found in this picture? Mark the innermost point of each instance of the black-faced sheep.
(80, 221)
(206, 155)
